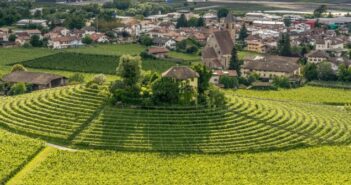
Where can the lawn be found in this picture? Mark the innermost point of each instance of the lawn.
(307, 94)
(324, 165)
(14, 55)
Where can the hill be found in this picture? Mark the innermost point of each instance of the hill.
(79, 117)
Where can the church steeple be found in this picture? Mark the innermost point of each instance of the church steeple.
(229, 24)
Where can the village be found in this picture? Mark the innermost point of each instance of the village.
(277, 46)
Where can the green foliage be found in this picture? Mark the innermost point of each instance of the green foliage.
(12, 38)
(129, 69)
(318, 165)
(287, 22)
(74, 21)
(343, 73)
(15, 151)
(325, 71)
(282, 82)
(310, 72)
(222, 12)
(18, 67)
(243, 33)
(205, 76)
(87, 40)
(284, 47)
(229, 82)
(320, 11)
(189, 46)
(215, 97)
(76, 78)
(146, 40)
(35, 41)
(182, 21)
(99, 79)
(165, 91)
(235, 63)
(17, 89)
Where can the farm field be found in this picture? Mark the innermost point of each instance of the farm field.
(306, 94)
(78, 117)
(110, 49)
(322, 165)
(92, 63)
(15, 151)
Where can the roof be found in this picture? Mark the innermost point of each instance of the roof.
(180, 73)
(30, 77)
(273, 63)
(160, 40)
(229, 19)
(65, 39)
(155, 50)
(225, 41)
(209, 52)
(231, 73)
(318, 54)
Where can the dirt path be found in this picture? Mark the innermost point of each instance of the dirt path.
(61, 147)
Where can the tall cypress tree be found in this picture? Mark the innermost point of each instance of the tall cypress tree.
(284, 47)
(182, 22)
(235, 63)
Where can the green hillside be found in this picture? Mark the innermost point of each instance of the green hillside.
(79, 117)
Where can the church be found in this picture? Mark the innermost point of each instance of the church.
(217, 52)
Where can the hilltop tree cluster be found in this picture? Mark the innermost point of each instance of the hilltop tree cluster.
(138, 87)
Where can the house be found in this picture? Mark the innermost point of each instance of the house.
(38, 80)
(268, 67)
(61, 31)
(217, 52)
(164, 42)
(256, 46)
(182, 73)
(329, 43)
(27, 22)
(99, 38)
(217, 74)
(65, 42)
(317, 56)
(158, 52)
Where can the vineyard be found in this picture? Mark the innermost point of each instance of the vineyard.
(324, 165)
(92, 63)
(307, 94)
(78, 117)
(15, 151)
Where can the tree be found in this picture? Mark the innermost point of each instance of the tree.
(18, 88)
(287, 22)
(18, 67)
(35, 41)
(165, 90)
(320, 11)
(330, 15)
(192, 22)
(182, 21)
(222, 12)
(229, 82)
(343, 73)
(204, 77)
(243, 33)
(235, 63)
(310, 72)
(12, 38)
(146, 40)
(87, 40)
(129, 69)
(282, 82)
(76, 78)
(74, 21)
(325, 71)
(284, 47)
(200, 22)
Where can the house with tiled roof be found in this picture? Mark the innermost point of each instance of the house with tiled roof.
(184, 74)
(65, 42)
(317, 56)
(329, 43)
(268, 67)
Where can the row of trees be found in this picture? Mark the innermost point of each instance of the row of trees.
(192, 22)
(323, 71)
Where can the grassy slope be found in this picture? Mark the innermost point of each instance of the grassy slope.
(325, 165)
(305, 94)
(15, 150)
